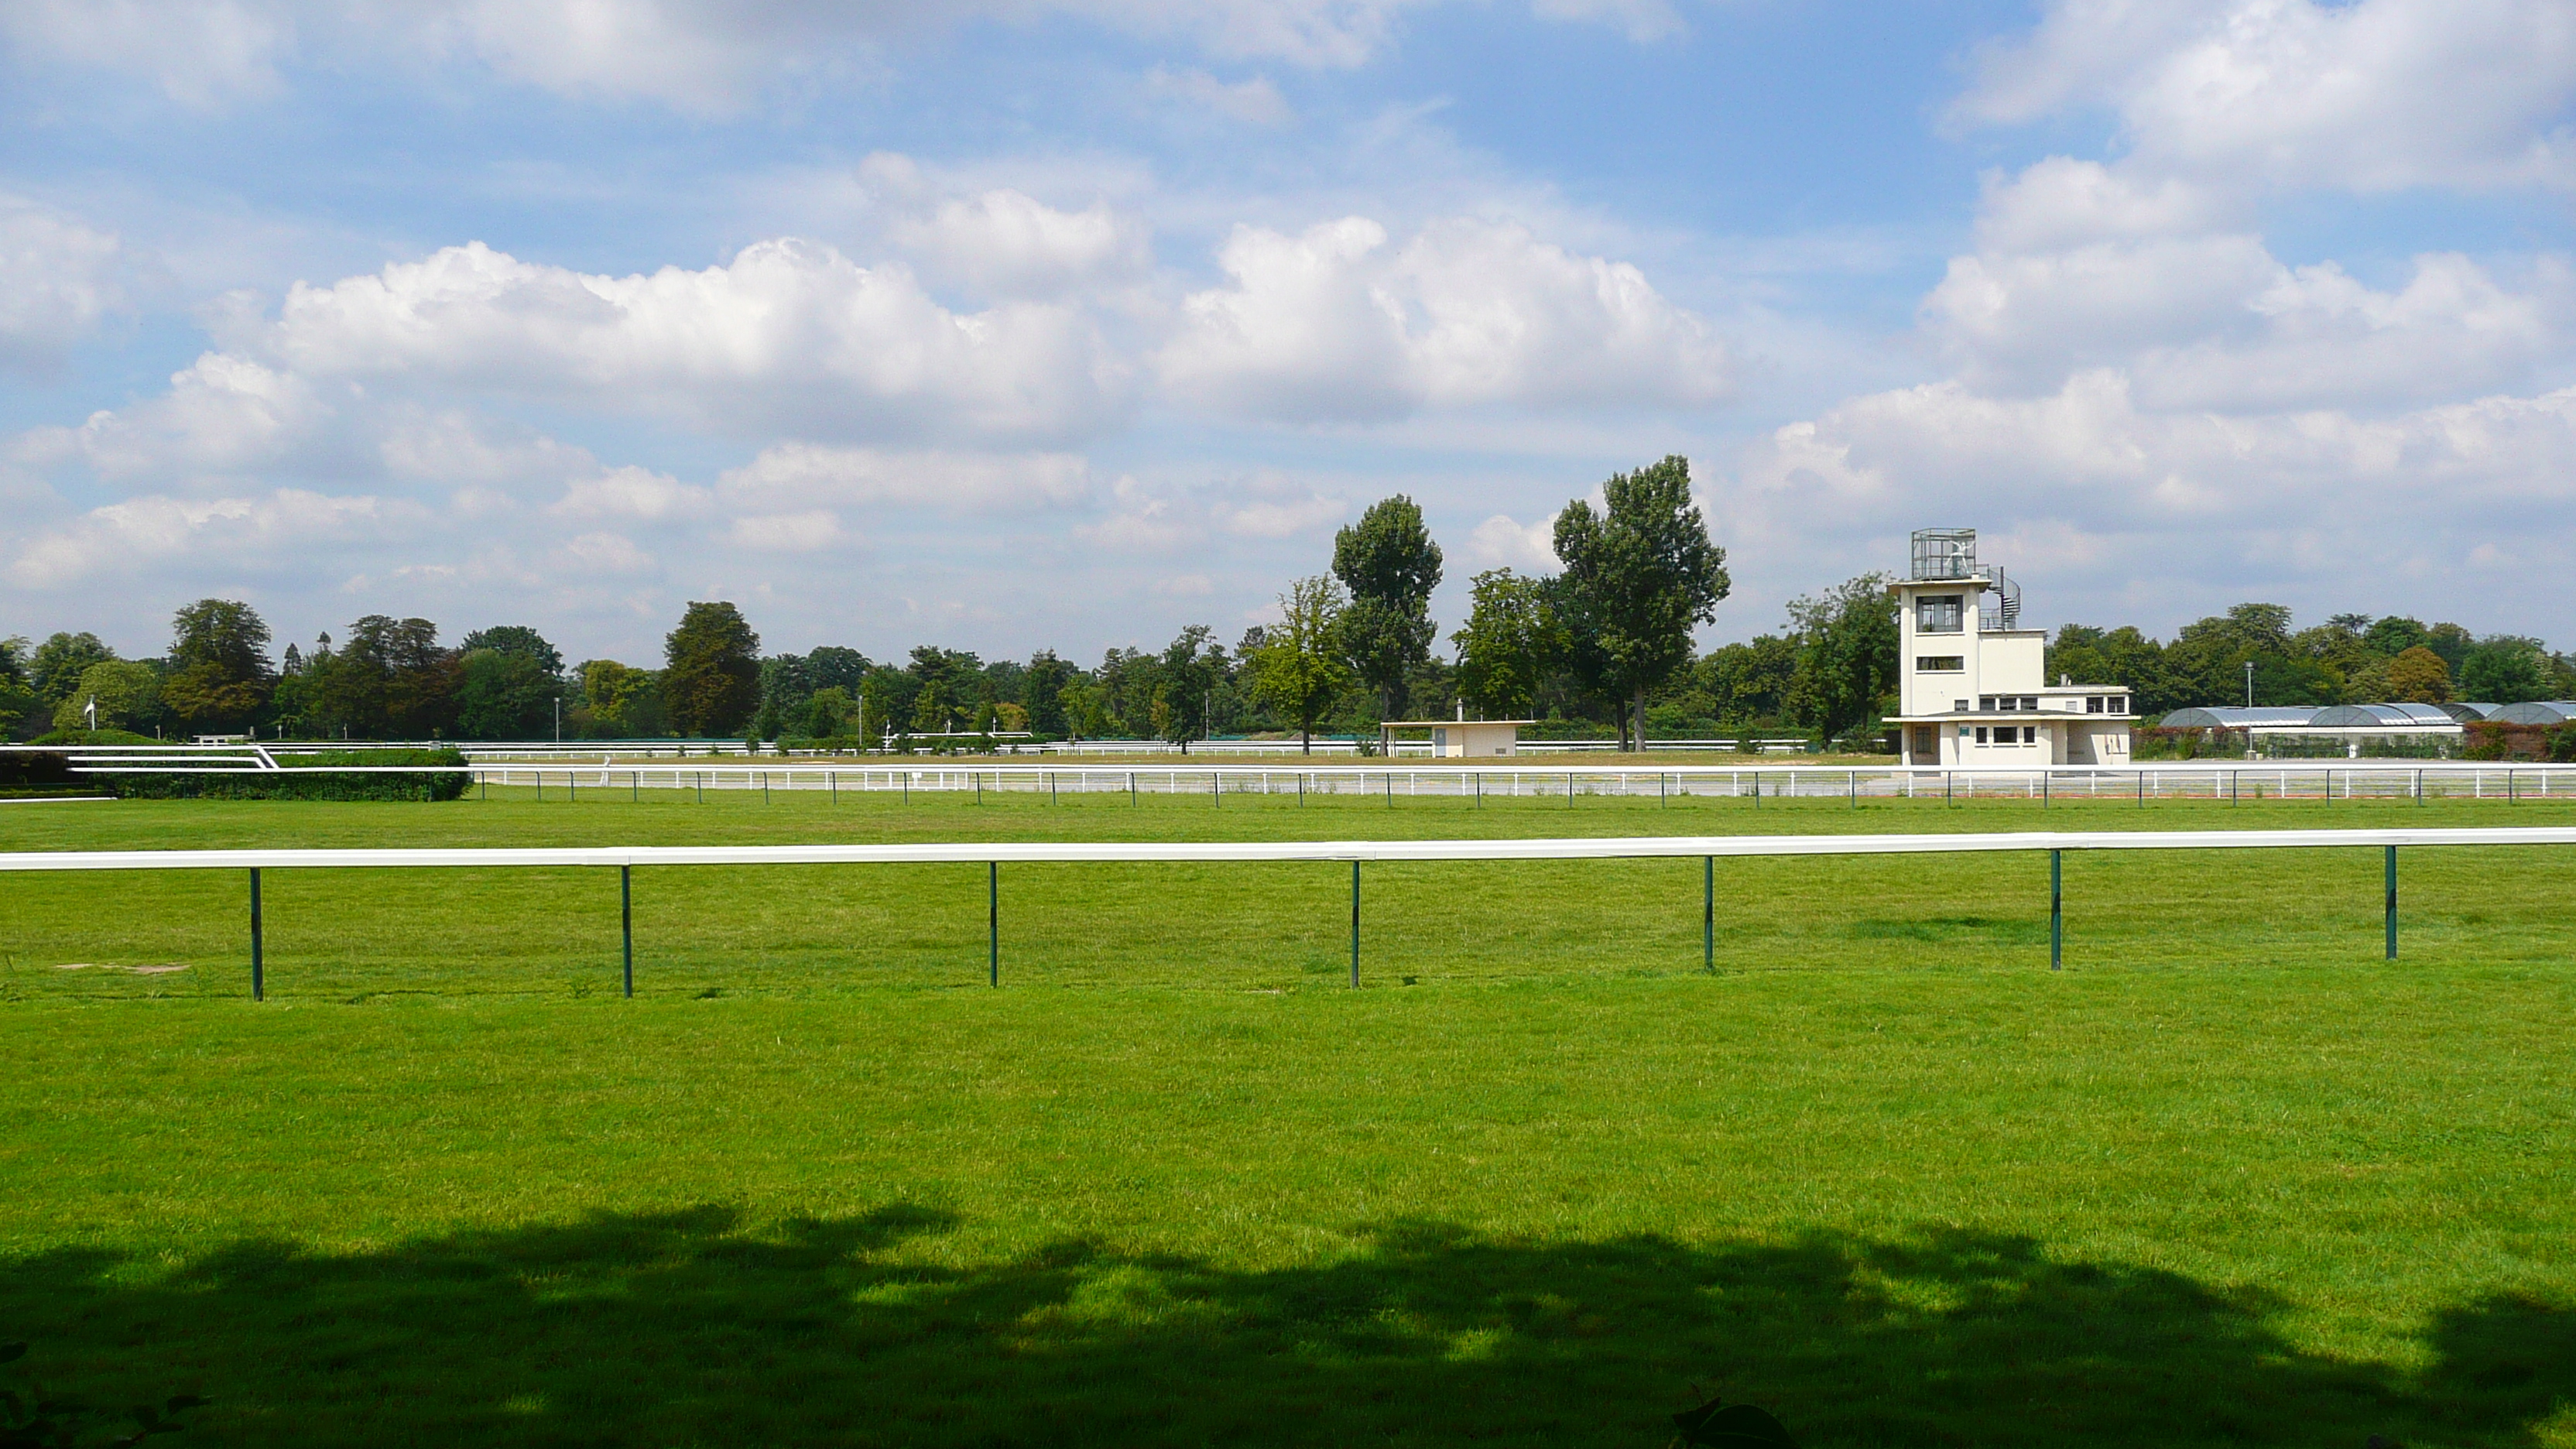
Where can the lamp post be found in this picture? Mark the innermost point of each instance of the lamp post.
(2249, 684)
(558, 719)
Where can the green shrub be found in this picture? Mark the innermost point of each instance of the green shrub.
(94, 737)
(284, 784)
(51, 774)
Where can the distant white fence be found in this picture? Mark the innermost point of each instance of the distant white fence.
(993, 855)
(575, 772)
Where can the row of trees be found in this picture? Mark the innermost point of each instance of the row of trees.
(2348, 659)
(385, 678)
(1602, 646)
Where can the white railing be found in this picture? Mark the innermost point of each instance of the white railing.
(993, 855)
(1454, 779)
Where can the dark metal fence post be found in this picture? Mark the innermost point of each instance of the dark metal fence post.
(993, 921)
(1355, 924)
(258, 975)
(1708, 912)
(626, 920)
(2392, 902)
(2056, 910)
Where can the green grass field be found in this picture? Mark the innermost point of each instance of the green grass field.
(2229, 1178)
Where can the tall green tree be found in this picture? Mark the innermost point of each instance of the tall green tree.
(1639, 577)
(1390, 566)
(508, 682)
(622, 702)
(2505, 669)
(127, 692)
(1749, 683)
(1847, 646)
(2418, 676)
(785, 685)
(219, 669)
(505, 695)
(59, 662)
(2394, 635)
(949, 688)
(19, 706)
(1510, 643)
(519, 640)
(1297, 669)
(1042, 691)
(1184, 692)
(711, 674)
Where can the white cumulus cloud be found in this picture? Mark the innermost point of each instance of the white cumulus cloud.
(790, 333)
(1336, 323)
(58, 277)
(2373, 95)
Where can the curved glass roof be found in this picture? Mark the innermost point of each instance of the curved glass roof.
(2348, 716)
(2539, 712)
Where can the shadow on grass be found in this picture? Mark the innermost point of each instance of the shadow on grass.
(686, 1328)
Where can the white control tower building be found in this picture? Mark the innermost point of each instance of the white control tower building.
(1972, 684)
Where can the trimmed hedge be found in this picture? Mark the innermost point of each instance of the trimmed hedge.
(284, 785)
(47, 774)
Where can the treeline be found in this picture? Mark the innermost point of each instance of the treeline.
(1590, 648)
(1602, 649)
(2348, 659)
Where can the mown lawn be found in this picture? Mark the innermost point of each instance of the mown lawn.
(2230, 1178)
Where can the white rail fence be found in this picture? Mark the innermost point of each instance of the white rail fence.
(993, 855)
(2138, 784)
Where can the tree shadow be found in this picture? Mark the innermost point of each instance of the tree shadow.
(693, 1328)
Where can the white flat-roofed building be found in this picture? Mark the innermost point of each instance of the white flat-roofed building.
(1972, 684)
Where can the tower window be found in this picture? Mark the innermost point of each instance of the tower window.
(1940, 663)
(1938, 614)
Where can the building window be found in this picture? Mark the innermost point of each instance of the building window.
(1981, 734)
(1940, 663)
(1959, 706)
(1985, 701)
(2030, 702)
(2009, 702)
(2119, 704)
(1938, 614)
(2030, 734)
(2092, 704)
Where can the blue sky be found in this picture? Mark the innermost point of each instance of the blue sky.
(1065, 323)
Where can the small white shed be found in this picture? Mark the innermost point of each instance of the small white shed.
(1459, 739)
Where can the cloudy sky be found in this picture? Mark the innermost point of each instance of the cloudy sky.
(1068, 322)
